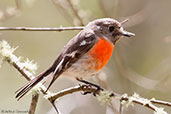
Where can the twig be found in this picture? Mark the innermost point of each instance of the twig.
(39, 29)
(160, 102)
(75, 11)
(123, 98)
(63, 11)
(33, 103)
(120, 108)
(18, 5)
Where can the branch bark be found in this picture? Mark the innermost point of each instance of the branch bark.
(128, 100)
(39, 29)
(33, 104)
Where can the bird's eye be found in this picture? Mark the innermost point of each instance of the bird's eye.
(111, 28)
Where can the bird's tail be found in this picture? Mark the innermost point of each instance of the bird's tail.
(27, 87)
(32, 83)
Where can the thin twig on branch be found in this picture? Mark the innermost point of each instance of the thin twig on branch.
(39, 29)
(76, 12)
(18, 4)
(34, 102)
(160, 102)
(63, 10)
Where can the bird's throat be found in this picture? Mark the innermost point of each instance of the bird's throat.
(101, 53)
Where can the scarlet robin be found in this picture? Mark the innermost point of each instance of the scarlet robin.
(85, 55)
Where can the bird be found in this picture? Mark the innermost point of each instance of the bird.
(85, 55)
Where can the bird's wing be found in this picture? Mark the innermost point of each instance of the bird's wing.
(74, 50)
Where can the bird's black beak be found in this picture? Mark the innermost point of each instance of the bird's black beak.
(126, 33)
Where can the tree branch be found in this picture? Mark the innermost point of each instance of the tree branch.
(160, 102)
(71, 90)
(106, 96)
(39, 29)
(6, 54)
(34, 102)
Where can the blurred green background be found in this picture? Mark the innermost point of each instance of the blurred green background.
(141, 64)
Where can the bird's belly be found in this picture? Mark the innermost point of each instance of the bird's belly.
(82, 68)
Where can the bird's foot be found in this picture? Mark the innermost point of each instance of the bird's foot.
(90, 84)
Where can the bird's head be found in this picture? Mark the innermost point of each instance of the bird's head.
(109, 28)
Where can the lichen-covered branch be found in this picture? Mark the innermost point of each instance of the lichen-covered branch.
(154, 101)
(26, 68)
(34, 102)
(106, 96)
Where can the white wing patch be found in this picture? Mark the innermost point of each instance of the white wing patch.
(83, 43)
(59, 66)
